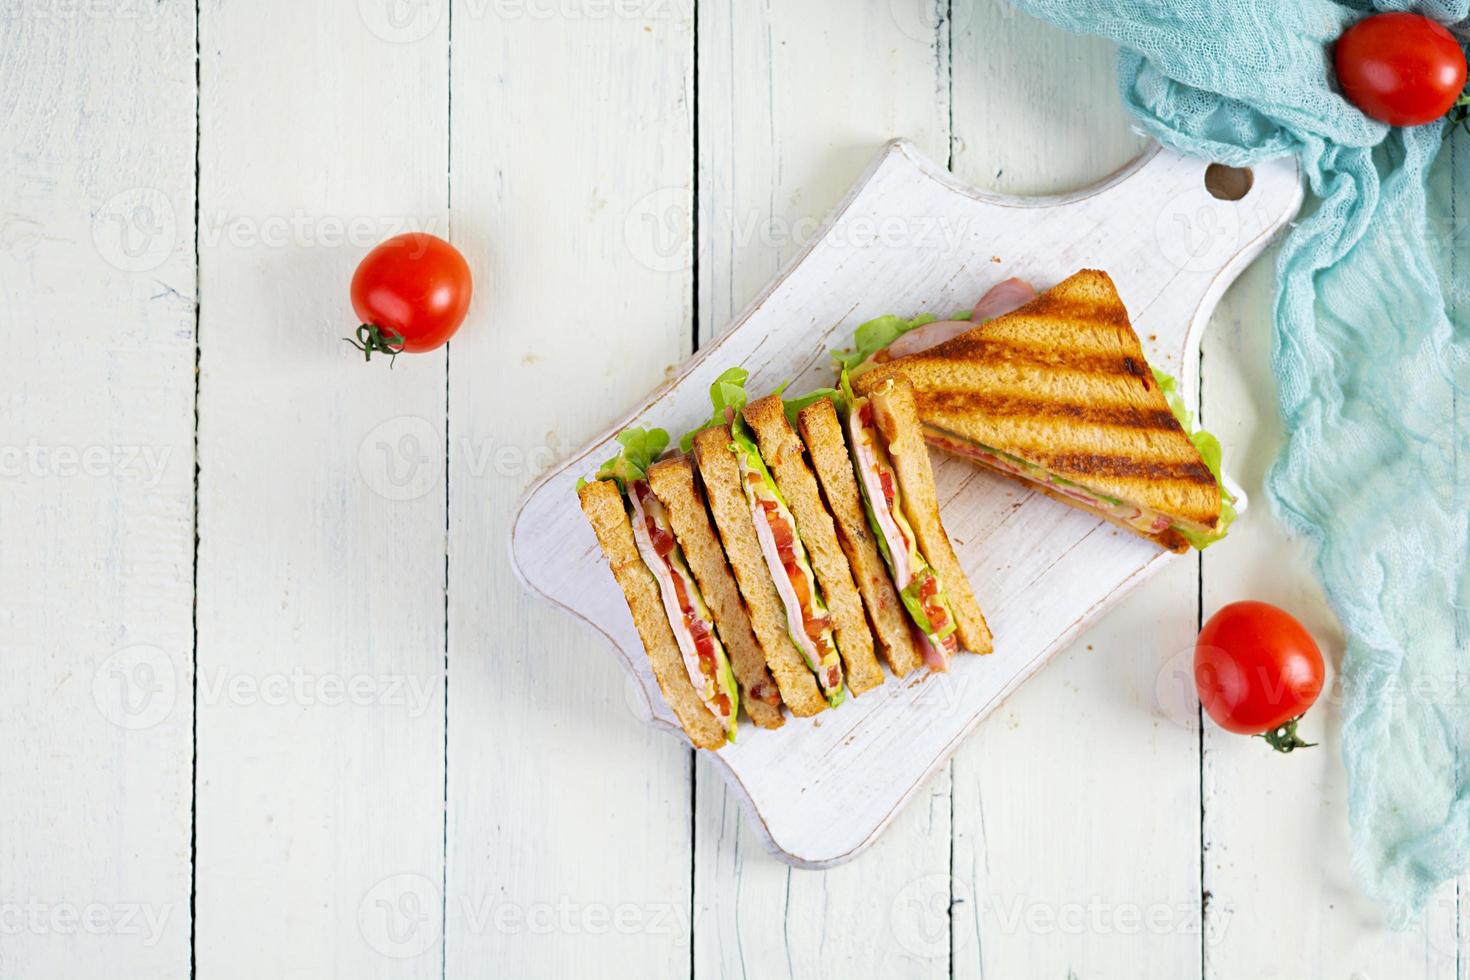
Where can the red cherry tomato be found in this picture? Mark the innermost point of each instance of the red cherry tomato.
(1402, 69)
(1257, 671)
(411, 293)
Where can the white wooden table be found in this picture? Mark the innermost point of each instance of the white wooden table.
(271, 702)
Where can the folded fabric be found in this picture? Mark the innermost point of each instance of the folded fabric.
(1372, 364)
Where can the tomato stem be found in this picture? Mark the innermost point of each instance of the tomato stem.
(370, 338)
(1459, 115)
(1284, 739)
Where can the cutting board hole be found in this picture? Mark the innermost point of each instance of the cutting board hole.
(1228, 183)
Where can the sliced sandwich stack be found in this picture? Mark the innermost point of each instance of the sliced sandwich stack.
(791, 545)
(787, 548)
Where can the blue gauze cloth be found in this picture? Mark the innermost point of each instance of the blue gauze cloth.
(1372, 361)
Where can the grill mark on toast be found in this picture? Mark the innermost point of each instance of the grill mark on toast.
(1001, 352)
(1129, 466)
(1001, 405)
(1098, 334)
(1074, 309)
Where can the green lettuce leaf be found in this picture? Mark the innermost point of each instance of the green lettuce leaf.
(845, 406)
(844, 382)
(795, 405)
(743, 442)
(640, 448)
(878, 333)
(728, 397)
(1210, 452)
(915, 605)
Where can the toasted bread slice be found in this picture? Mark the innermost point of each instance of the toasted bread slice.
(898, 422)
(828, 450)
(672, 481)
(602, 503)
(720, 474)
(783, 453)
(1063, 384)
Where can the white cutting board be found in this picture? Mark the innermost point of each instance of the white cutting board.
(910, 238)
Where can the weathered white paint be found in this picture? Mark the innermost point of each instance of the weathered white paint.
(821, 791)
(569, 822)
(96, 491)
(321, 503)
(793, 99)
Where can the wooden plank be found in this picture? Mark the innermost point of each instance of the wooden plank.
(1063, 791)
(792, 105)
(1278, 825)
(96, 492)
(569, 819)
(321, 502)
(886, 912)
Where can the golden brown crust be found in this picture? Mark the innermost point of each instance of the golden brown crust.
(672, 481)
(721, 476)
(1063, 383)
(602, 503)
(783, 454)
(898, 423)
(827, 448)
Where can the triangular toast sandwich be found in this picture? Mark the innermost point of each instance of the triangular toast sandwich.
(1060, 394)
